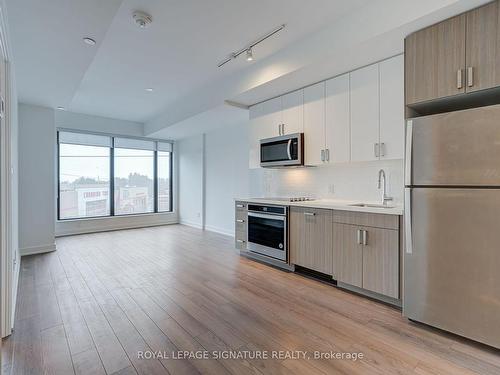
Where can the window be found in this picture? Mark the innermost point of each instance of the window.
(107, 176)
(83, 181)
(164, 181)
(134, 181)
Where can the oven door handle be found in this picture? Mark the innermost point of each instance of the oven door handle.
(267, 216)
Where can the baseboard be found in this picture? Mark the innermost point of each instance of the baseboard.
(17, 268)
(190, 223)
(71, 228)
(219, 230)
(37, 249)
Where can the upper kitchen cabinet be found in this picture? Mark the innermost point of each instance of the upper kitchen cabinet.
(377, 111)
(365, 113)
(254, 133)
(337, 134)
(435, 61)
(292, 107)
(392, 125)
(314, 124)
(272, 117)
(483, 47)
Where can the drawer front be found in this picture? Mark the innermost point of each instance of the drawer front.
(240, 206)
(241, 215)
(241, 225)
(240, 240)
(366, 219)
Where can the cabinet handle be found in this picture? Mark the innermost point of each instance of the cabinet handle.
(365, 237)
(376, 149)
(240, 221)
(327, 154)
(470, 76)
(240, 241)
(240, 206)
(459, 79)
(309, 214)
(382, 149)
(359, 236)
(323, 155)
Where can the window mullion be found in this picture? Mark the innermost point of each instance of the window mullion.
(112, 181)
(155, 182)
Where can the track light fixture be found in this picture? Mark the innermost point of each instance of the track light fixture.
(249, 55)
(248, 49)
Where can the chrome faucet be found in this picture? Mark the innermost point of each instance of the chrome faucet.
(385, 198)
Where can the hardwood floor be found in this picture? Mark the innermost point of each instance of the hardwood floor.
(102, 299)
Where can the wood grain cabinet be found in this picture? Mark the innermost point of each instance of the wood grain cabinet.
(348, 254)
(381, 261)
(483, 47)
(311, 239)
(435, 61)
(457, 56)
(367, 257)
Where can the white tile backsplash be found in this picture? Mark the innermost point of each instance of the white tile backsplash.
(353, 181)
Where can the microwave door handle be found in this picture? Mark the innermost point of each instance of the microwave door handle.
(289, 149)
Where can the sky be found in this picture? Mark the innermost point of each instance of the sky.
(90, 161)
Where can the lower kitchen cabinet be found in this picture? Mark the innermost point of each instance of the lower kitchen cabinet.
(381, 261)
(348, 255)
(311, 238)
(367, 257)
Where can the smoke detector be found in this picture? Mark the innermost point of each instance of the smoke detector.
(142, 19)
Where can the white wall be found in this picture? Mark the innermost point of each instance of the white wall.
(36, 179)
(190, 175)
(226, 152)
(70, 120)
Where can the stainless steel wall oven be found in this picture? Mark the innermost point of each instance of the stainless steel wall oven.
(268, 230)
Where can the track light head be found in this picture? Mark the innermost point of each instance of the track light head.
(249, 55)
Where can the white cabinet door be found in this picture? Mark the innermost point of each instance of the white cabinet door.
(314, 123)
(293, 112)
(337, 119)
(392, 124)
(254, 134)
(272, 118)
(364, 113)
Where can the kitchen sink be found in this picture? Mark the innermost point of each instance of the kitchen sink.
(371, 205)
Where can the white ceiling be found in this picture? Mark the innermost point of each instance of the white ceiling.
(176, 55)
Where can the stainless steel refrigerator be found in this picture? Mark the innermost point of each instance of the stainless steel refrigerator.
(452, 223)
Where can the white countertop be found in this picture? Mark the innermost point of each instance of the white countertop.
(332, 204)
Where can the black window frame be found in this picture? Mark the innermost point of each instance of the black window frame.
(170, 180)
(112, 179)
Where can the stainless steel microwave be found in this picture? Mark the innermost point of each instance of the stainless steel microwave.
(282, 151)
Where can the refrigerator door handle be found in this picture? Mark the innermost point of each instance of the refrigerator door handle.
(408, 228)
(409, 141)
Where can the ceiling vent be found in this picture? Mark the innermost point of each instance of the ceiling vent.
(142, 19)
